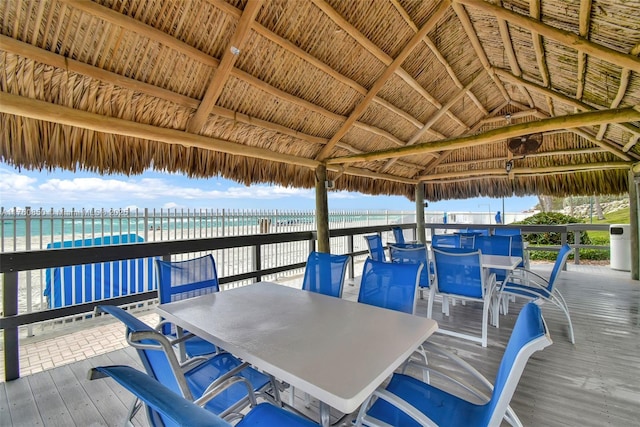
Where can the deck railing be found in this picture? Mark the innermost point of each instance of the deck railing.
(255, 254)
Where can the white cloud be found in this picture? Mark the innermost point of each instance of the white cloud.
(17, 187)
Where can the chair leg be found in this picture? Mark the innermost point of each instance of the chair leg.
(485, 320)
(558, 300)
(432, 293)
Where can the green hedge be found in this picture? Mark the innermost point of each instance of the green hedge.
(549, 238)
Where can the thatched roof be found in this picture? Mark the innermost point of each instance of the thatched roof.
(386, 93)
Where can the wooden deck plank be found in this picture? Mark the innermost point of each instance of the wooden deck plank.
(79, 404)
(595, 382)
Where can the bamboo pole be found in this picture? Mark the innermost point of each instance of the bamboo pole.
(554, 123)
(422, 237)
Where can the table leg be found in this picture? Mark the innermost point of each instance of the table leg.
(324, 415)
(181, 347)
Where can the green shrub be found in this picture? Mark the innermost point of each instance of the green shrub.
(552, 238)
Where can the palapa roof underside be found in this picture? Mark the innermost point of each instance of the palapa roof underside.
(386, 94)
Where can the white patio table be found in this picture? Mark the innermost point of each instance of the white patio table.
(502, 262)
(336, 350)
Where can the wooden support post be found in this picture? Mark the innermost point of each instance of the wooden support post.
(634, 220)
(322, 209)
(422, 238)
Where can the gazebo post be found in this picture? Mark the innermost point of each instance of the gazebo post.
(634, 210)
(322, 209)
(421, 237)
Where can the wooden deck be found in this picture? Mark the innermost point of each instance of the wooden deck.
(593, 383)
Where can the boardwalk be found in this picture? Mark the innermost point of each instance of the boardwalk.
(594, 383)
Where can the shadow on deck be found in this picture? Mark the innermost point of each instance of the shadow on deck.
(595, 382)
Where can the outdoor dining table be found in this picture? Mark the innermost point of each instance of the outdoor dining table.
(336, 350)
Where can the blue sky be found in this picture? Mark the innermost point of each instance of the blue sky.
(64, 189)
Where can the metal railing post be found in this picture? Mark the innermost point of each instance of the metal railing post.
(563, 241)
(577, 240)
(350, 250)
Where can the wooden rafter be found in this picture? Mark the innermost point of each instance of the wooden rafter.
(511, 55)
(555, 153)
(541, 58)
(477, 47)
(380, 82)
(561, 122)
(439, 56)
(566, 38)
(625, 76)
(433, 119)
(583, 29)
(579, 105)
(223, 71)
(41, 110)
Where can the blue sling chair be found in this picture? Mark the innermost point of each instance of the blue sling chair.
(376, 248)
(168, 408)
(409, 402)
(179, 280)
(532, 286)
(413, 253)
(196, 377)
(324, 273)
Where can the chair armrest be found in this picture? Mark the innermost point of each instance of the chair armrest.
(159, 397)
(396, 401)
(220, 385)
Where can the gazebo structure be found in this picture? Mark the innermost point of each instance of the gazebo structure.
(432, 100)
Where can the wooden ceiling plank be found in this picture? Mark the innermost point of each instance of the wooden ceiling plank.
(477, 47)
(584, 19)
(382, 80)
(559, 96)
(566, 38)
(561, 122)
(221, 74)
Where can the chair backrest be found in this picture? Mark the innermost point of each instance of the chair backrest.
(325, 273)
(159, 398)
(459, 271)
(478, 231)
(445, 241)
(493, 245)
(529, 335)
(178, 280)
(501, 231)
(398, 235)
(409, 253)
(155, 352)
(517, 248)
(390, 285)
(376, 249)
(561, 260)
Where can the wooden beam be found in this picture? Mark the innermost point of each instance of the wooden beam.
(561, 122)
(322, 210)
(633, 140)
(583, 29)
(529, 156)
(625, 76)
(379, 53)
(541, 58)
(382, 80)
(477, 46)
(40, 110)
(221, 74)
(611, 148)
(566, 38)
(483, 173)
(439, 56)
(433, 119)
(579, 105)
